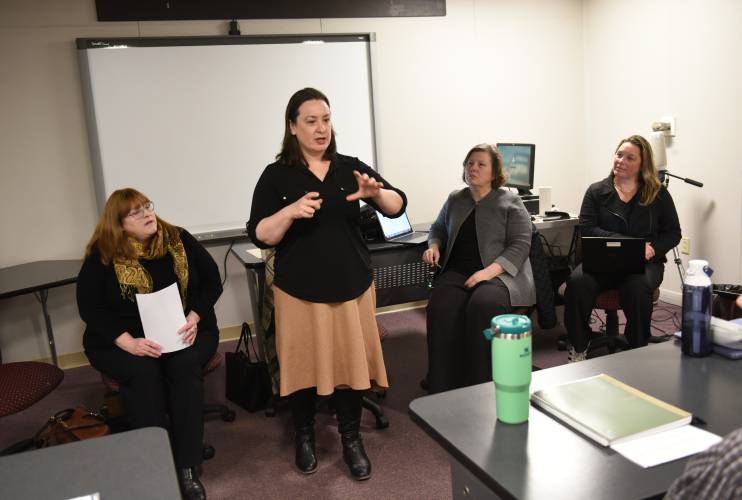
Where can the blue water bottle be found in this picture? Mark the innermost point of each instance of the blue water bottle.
(696, 330)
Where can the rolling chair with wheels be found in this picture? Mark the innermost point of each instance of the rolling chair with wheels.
(609, 337)
(113, 408)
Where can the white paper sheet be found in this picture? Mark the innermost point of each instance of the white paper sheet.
(255, 252)
(162, 316)
(667, 446)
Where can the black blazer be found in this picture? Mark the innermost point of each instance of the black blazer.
(601, 215)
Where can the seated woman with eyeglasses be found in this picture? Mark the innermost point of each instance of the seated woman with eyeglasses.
(132, 251)
(481, 240)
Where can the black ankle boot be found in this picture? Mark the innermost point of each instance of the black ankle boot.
(355, 455)
(306, 457)
(190, 487)
(348, 411)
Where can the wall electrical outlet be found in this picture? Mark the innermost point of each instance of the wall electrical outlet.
(685, 245)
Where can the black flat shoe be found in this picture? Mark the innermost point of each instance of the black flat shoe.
(355, 456)
(190, 487)
(306, 456)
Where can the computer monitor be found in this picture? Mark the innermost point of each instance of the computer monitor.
(517, 163)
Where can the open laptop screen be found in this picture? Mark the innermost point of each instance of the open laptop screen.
(613, 255)
(394, 227)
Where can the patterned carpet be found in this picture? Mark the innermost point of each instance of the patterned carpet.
(254, 454)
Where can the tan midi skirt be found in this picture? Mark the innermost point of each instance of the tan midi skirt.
(328, 345)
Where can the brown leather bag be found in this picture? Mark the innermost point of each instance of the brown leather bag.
(71, 425)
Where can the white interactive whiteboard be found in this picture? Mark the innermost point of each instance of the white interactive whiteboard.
(192, 122)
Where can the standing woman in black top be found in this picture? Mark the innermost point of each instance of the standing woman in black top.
(306, 206)
(630, 202)
(133, 251)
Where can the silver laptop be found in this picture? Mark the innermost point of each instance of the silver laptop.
(613, 255)
(400, 230)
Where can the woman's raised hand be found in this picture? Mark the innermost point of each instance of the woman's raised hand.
(306, 206)
(368, 187)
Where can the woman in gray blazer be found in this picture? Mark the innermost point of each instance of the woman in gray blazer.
(480, 240)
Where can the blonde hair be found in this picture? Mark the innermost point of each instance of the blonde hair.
(649, 181)
(109, 235)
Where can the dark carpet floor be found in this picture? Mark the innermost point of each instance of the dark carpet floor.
(254, 454)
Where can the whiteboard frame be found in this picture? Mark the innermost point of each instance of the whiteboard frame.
(85, 45)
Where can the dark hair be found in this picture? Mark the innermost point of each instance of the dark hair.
(495, 158)
(290, 150)
(649, 181)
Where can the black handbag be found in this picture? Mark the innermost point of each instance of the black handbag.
(248, 382)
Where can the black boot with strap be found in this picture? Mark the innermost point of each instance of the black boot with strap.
(348, 407)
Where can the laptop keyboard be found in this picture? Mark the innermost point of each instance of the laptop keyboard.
(407, 237)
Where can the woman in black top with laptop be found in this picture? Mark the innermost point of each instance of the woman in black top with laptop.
(630, 202)
(306, 205)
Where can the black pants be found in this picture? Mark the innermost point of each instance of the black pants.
(348, 406)
(458, 353)
(635, 297)
(154, 389)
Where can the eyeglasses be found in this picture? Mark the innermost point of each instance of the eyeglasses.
(139, 212)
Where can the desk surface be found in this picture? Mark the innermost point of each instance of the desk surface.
(135, 464)
(35, 276)
(545, 459)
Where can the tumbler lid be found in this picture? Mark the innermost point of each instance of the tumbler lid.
(509, 325)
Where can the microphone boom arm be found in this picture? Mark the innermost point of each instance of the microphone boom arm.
(684, 179)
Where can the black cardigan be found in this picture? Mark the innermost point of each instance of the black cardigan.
(602, 215)
(107, 314)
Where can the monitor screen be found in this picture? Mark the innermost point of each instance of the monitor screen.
(517, 163)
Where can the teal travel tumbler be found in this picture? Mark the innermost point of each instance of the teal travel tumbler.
(510, 335)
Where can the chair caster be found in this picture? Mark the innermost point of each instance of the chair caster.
(228, 416)
(382, 422)
(270, 410)
(208, 452)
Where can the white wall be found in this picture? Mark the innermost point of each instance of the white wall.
(572, 76)
(648, 59)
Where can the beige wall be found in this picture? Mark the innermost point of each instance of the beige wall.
(571, 76)
(648, 59)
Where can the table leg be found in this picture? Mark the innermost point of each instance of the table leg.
(255, 280)
(42, 297)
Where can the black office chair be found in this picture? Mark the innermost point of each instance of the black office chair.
(608, 336)
(113, 410)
